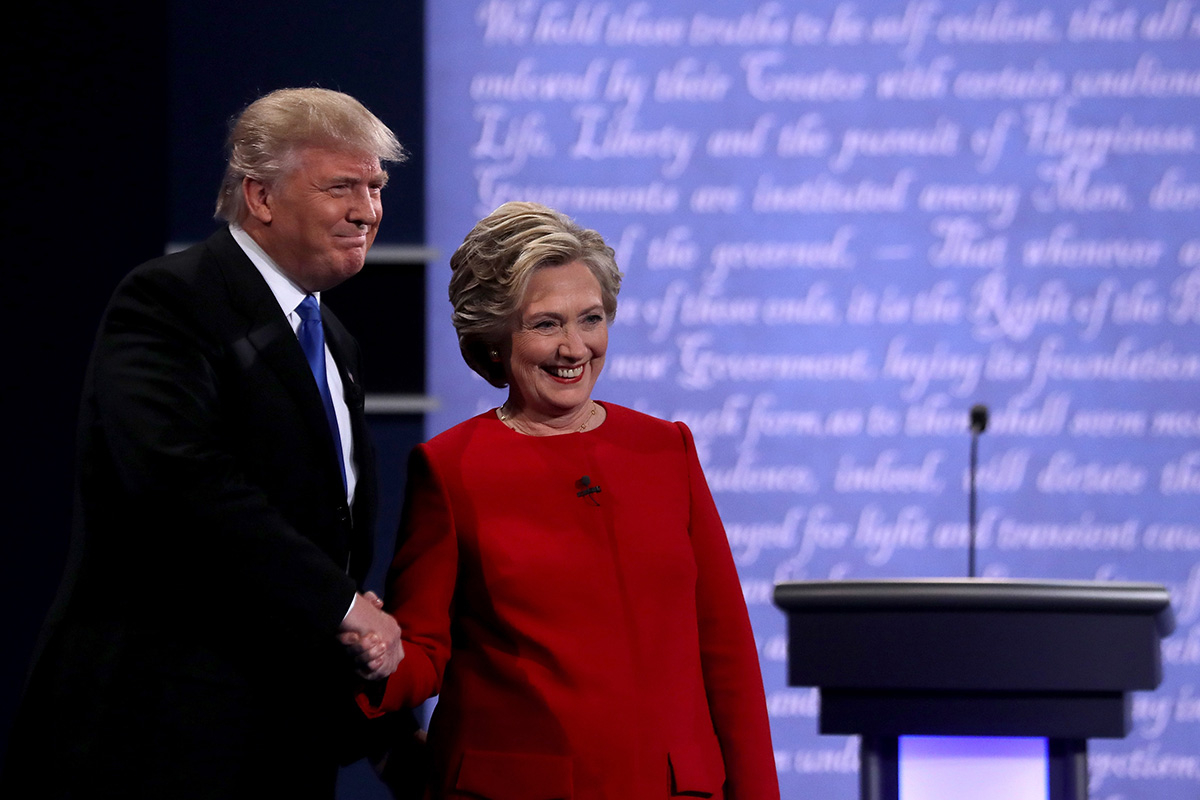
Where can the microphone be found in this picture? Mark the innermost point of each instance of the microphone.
(979, 422)
(979, 418)
(586, 489)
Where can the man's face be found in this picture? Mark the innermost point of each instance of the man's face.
(321, 217)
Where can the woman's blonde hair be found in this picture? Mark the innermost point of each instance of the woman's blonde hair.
(492, 267)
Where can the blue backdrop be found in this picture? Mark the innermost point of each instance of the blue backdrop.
(842, 225)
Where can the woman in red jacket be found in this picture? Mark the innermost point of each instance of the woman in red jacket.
(562, 578)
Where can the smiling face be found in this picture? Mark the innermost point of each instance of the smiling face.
(318, 220)
(557, 346)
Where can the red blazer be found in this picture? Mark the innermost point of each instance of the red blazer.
(585, 645)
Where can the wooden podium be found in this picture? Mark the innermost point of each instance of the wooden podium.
(975, 658)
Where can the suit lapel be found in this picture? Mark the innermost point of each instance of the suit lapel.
(345, 353)
(270, 338)
(342, 346)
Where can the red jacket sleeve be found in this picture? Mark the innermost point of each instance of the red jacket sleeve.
(420, 590)
(728, 655)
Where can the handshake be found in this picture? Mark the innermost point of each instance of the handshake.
(372, 637)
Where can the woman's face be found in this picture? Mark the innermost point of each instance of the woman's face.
(558, 344)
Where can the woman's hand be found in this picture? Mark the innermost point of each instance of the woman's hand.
(372, 637)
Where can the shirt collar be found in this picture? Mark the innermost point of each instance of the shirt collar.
(286, 292)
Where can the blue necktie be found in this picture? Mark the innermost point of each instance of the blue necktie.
(312, 339)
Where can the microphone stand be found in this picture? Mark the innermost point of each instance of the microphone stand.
(971, 504)
(979, 421)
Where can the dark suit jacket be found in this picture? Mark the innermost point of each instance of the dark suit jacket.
(192, 649)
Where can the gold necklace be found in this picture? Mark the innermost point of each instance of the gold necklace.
(500, 412)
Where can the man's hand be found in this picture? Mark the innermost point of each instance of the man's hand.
(372, 637)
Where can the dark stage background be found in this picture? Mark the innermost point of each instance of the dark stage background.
(93, 137)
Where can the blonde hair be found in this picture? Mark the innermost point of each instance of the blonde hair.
(265, 136)
(492, 267)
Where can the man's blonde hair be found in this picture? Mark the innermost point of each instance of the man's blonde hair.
(265, 136)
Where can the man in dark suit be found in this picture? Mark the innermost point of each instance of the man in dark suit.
(210, 629)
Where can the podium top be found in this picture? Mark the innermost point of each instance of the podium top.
(975, 656)
(980, 594)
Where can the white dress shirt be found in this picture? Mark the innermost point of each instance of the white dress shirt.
(289, 295)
